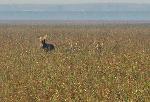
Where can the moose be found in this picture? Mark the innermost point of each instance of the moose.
(46, 46)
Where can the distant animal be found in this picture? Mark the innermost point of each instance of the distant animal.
(46, 46)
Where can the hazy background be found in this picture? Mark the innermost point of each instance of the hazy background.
(69, 1)
(136, 10)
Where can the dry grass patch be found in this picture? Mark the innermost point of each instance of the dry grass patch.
(90, 63)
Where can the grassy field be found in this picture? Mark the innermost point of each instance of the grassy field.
(90, 63)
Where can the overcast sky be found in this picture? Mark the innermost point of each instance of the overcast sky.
(68, 1)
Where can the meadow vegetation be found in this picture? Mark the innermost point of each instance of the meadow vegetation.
(90, 63)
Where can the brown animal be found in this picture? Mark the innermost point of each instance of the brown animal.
(46, 46)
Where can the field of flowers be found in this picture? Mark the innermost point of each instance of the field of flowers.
(90, 63)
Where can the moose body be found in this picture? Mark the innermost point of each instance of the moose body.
(46, 46)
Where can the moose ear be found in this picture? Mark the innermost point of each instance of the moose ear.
(45, 36)
(40, 38)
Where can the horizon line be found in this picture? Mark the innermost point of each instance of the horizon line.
(74, 22)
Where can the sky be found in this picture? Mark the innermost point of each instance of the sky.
(69, 1)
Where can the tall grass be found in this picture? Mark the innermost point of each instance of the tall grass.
(90, 63)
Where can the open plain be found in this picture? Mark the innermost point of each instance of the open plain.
(90, 63)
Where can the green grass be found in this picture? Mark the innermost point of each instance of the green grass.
(99, 63)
